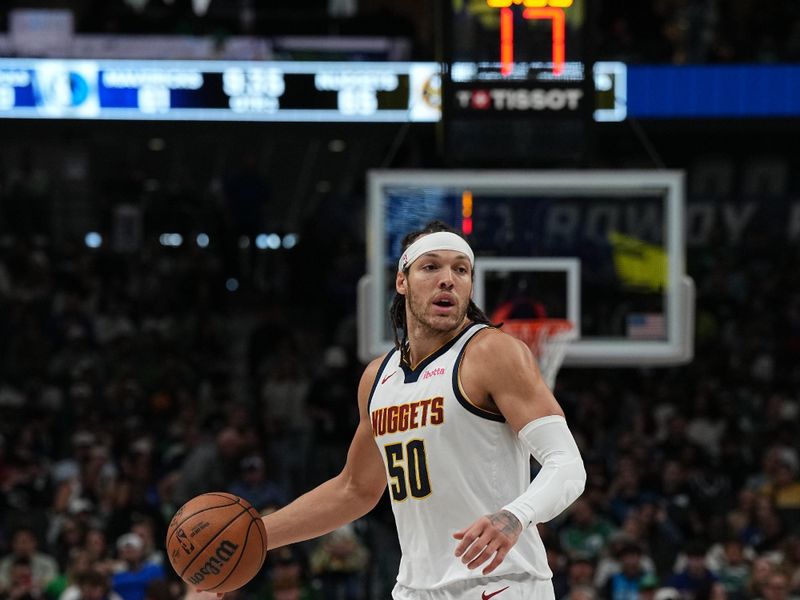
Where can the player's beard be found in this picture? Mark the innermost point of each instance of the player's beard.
(420, 310)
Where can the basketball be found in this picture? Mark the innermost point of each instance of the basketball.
(216, 542)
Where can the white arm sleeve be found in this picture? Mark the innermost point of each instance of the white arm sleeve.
(562, 476)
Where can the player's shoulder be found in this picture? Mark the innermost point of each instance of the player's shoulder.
(368, 378)
(372, 369)
(491, 345)
(374, 366)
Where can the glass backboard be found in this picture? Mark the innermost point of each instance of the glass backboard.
(604, 249)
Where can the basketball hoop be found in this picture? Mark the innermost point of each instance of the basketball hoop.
(547, 339)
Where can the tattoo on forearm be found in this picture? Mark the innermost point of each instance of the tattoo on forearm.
(506, 523)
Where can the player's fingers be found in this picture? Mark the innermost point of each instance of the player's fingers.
(495, 562)
(475, 549)
(483, 556)
(459, 534)
(469, 536)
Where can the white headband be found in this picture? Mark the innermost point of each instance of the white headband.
(441, 240)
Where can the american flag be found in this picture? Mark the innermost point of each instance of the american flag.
(646, 326)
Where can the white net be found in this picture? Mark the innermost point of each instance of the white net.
(548, 339)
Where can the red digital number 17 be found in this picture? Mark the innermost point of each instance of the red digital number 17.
(534, 9)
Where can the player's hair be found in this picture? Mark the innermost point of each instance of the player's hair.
(397, 311)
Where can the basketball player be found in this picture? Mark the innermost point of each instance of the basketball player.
(450, 418)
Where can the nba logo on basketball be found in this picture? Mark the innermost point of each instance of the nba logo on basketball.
(184, 541)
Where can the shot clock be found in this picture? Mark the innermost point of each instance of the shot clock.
(518, 86)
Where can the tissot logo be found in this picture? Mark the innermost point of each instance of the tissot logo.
(508, 99)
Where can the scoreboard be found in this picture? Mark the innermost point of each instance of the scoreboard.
(220, 90)
(518, 83)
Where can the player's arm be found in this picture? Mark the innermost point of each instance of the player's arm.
(342, 499)
(502, 369)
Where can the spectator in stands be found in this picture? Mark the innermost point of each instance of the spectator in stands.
(21, 583)
(287, 578)
(134, 574)
(144, 527)
(782, 485)
(760, 572)
(96, 547)
(208, 465)
(94, 585)
(695, 577)
(625, 584)
(338, 561)
(586, 533)
(64, 587)
(730, 562)
(674, 489)
(625, 490)
(791, 560)
(648, 586)
(286, 420)
(777, 587)
(579, 578)
(254, 486)
(25, 554)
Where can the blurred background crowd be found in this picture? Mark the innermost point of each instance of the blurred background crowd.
(132, 379)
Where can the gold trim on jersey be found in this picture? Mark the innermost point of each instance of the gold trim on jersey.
(467, 398)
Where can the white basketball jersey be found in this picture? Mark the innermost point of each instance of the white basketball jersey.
(448, 462)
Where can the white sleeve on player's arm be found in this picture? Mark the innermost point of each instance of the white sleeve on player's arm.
(562, 476)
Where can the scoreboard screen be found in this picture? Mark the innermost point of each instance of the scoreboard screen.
(219, 90)
(518, 89)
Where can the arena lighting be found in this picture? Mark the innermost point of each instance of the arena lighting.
(93, 240)
(171, 240)
(232, 284)
(273, 241)
(244, 242)
(261, 241)
(290, 240)
(202, 240)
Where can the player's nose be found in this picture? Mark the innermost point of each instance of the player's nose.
(446, 281)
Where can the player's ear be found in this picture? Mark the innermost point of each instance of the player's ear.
(400, 283)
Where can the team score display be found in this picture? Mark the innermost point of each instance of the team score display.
(408, 468)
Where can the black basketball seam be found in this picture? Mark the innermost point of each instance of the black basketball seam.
(256, 518)
(263, 537)
(238, 560)
(202, 510)
(208, 543)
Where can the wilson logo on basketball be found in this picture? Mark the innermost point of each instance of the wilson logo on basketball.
(184, 541)
(224, 552)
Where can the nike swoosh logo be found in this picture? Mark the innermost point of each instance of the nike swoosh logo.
(486, 596)
(385, 379)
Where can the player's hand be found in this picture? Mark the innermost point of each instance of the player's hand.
(195, 594)
(490, 537)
